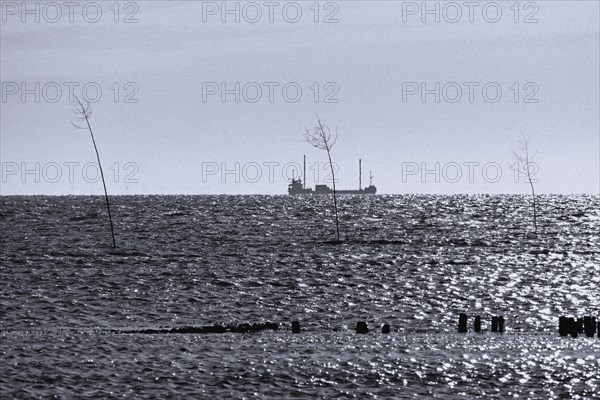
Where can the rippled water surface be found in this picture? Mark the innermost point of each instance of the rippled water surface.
(414, 262)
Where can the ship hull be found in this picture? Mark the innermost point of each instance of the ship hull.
(319, 191)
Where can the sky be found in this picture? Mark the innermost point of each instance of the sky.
(204, 97)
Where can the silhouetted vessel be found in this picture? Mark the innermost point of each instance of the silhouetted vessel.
(297, 187)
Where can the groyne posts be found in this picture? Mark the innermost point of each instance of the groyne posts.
(496, 327)
(361, 327)
(569, 326)
(462, 323)
(295, 327)
(477, 324)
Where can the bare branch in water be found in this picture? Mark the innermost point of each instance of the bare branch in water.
(319, 135)
(83, 110)
(524, 160)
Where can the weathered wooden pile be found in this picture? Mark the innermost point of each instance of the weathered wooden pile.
(569, 326)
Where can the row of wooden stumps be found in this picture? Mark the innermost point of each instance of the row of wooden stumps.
(497, 324)
(569, 326)
(361, 327)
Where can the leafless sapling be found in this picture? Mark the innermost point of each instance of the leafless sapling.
(319, 135)
(83, 110)
(524, 168)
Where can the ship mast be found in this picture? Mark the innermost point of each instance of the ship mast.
(304, 180)
(359, 174)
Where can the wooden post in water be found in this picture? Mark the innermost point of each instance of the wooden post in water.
(361, 327)
(589, 326)
(477, 324)
(462, 323)
(295, 327)
(385, 328)
(573, 330)
(563, 326)
(501, 324)
(494, 324)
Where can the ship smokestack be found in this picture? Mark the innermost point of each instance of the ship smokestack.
(359, 174)
(304, 179)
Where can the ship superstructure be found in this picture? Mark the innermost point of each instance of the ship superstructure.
(297, 186)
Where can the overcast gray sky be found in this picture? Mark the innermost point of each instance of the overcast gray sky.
(194, 102)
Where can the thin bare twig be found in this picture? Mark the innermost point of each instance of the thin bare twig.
(84, 112)
(320, 136)
(525, 159)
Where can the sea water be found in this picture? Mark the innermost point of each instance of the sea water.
(414, 262)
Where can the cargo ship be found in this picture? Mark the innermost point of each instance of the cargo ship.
(297, 185)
